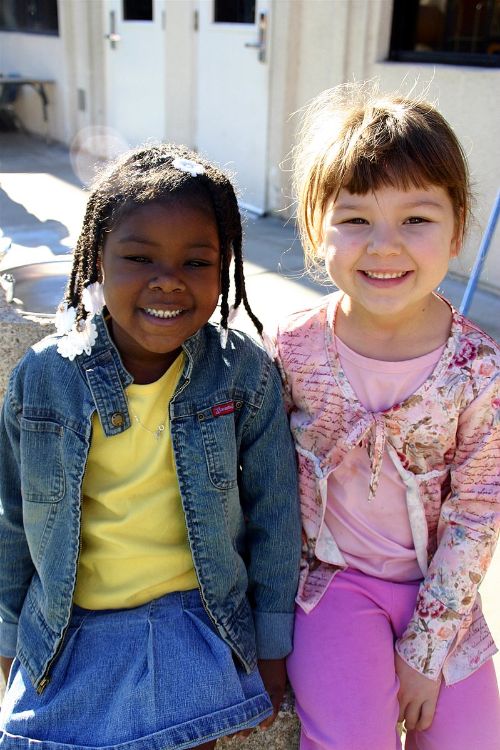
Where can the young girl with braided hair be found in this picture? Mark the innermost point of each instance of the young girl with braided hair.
(147, 483)
(395, 410)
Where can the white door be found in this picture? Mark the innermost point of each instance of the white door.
(135, 68)
(233, 91)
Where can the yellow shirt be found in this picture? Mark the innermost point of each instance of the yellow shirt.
(134, 545)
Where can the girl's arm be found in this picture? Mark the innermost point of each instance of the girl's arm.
(269, 499)
(270, 502)
(467, 534)
(16, 566)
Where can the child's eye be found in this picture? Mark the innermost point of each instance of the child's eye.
(415, 220)
(137, 258)
(198, 263)
(356, 220)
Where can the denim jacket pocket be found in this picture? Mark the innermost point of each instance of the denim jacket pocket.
(42, 451)
(219, 443)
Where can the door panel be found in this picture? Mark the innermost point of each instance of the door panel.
(135, 68)
(233, 92)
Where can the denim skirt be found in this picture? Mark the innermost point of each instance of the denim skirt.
(156, 677)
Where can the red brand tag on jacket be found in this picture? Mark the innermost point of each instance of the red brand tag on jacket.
(221, 409)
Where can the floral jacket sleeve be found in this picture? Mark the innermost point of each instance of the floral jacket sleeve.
(467, 534)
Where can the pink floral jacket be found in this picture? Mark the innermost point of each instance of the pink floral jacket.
(444, 441)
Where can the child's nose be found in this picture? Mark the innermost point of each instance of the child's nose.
(384, 241)
(167, 281)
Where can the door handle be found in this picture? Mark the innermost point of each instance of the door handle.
(261, 43)
(113, 37)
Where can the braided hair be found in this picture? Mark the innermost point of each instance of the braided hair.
(144, 175)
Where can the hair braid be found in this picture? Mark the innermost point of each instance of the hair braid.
(232, 245)
(240, 286)
(84, 270)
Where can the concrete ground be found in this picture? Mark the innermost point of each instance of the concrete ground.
(41, 208)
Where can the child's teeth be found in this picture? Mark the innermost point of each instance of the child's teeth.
(375, 275)
(163, 313)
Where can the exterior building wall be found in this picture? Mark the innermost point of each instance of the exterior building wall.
(73, 60)
(314, 45)
(317, 45)
(82, 26)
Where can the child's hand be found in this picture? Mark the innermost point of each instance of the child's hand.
(5, 665)
(417, 696)
(273, 673)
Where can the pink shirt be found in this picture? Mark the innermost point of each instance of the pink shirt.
(375, 536)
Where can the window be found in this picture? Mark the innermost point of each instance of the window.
(234, 11)
(32, 16)
(137, 10)
(458, 32)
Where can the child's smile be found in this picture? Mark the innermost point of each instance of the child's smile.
(161, 268)
(386, 279)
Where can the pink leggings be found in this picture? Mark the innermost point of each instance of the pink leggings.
(342, 672)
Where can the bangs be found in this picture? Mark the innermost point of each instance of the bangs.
(401, 153)
(398, 170)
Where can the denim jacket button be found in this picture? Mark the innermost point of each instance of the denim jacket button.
(239, 404)
(117, 419)
(201, 417)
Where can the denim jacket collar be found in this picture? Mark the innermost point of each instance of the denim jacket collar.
(107, 377)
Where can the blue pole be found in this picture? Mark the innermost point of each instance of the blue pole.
(481, 256)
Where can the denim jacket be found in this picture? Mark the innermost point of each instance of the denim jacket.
(236, 469)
